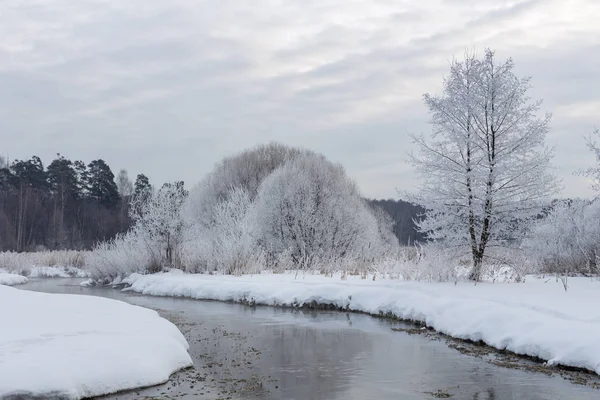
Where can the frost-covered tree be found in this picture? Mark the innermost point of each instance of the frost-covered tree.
(246, 171)
(124, 184)
(312, 211)
(158, 220)
(567, 240)
(484, 169)
(228, 243)
(593, 173)
(284, 208)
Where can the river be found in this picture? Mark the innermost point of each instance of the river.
(243, 352)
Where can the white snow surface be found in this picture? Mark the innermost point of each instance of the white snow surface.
(11, 279)
(48, 272)
(57, 272)
(72, 346)
(537, 318)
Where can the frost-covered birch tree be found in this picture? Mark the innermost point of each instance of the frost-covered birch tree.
(484, 169)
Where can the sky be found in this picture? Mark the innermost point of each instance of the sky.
(167, 88)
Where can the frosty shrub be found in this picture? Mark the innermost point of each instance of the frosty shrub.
(310, 209)
(154, 241)
(567, 240)
(272, 207)
(280, 208)
(21, 263)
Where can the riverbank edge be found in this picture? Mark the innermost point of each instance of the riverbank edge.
(575, 374)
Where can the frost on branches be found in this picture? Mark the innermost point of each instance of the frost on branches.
(484, 169)
(312, 212)
(567, 240)
(280, 208)
(270, 207)
(154, 240)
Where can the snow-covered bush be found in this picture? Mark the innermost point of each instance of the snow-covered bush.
(226, 243)
(310, 209)
(126, 254)
(567, 240)
(245, 171)
(22, 263)
(154, 241)
(159, 223)
(280, 208)
(272, 207)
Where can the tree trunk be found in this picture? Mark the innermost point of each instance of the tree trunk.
(475, 274)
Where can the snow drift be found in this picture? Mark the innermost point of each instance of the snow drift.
(11, 279)
(537, 318)
(71, 346)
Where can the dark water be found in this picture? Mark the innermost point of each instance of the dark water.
(244, 352)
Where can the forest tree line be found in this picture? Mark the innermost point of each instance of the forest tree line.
(64, 205)
(72, 205)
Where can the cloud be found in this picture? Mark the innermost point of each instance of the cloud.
(186, 83)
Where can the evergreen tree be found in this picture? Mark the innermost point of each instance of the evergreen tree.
(101, 184)
(82, 178)
(29, 173)
(142, 186)
(62, 178)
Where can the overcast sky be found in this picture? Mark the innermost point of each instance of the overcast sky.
(169, 87)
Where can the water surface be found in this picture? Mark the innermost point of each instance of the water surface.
(243, 352)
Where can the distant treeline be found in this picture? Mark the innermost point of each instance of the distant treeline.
(66, 205)
(73, 205)
(403, 214)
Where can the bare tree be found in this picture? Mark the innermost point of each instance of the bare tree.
(124, 184)
(593, 173)
(484, 169)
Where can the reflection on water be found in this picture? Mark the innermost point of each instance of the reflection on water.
(270, 353)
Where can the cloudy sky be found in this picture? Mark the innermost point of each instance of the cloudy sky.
(169, 87)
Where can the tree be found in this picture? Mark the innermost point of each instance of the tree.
(29, 179)
(159, 220)
(312, 211)
(101, 184)
(484, 170)
(83, 178)
(142, 187)
(593, 173)
(124, 185)
(567, 239)
(62, 178)
(245, 171)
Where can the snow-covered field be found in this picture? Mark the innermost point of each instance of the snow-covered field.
(11, 279)
(71, 346)
(536, 318)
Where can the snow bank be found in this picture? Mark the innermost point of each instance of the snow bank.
(11, 279)
(57, 272)
(71, 346)
(537, 318)
(48, 272)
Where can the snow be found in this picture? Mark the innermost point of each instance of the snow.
(57, 272)
(50, 272)
(537, 318)
(11, 279)
(72, 346)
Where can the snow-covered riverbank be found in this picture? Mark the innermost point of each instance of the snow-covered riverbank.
(11, 279)
(71, 346)
(537, 318)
